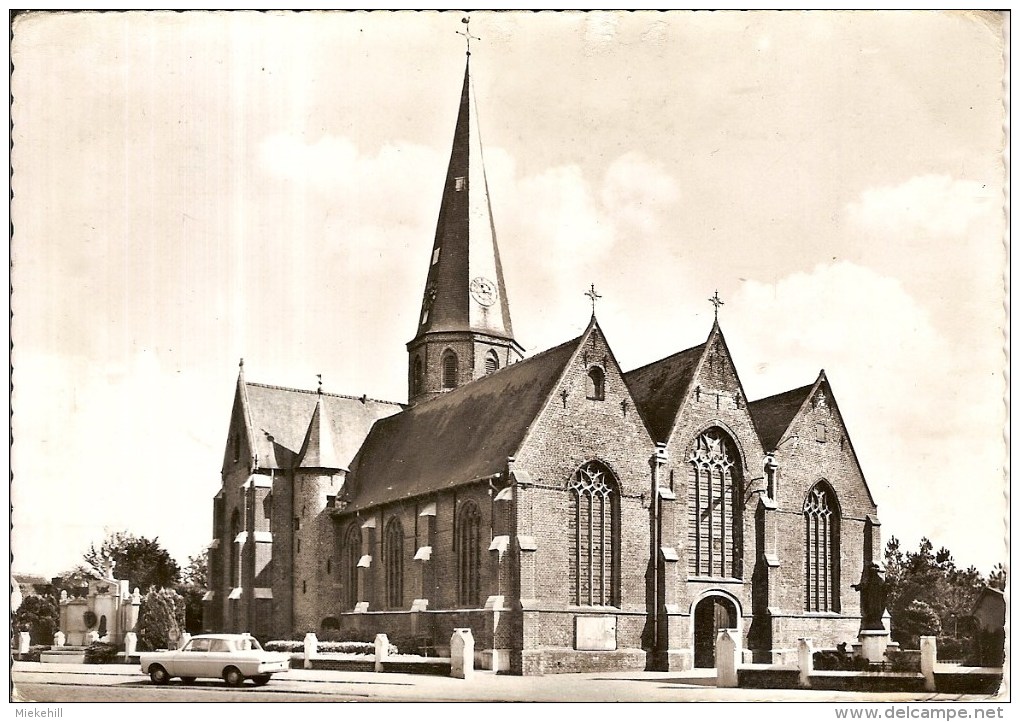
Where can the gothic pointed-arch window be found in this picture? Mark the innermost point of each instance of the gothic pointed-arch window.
(821, 544)
(596, 384)
(469, 545)
(491, 362)
(451, 368)
(350, 553)
(594, 527)
(714, 507)
(417, 376)
(393, 555)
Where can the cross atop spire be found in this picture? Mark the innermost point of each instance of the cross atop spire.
(319, 376)
(466, 32)
(717, 302)
(594, 296)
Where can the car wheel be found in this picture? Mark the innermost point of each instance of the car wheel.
(233, 677)
(188, 680)
(261, 680)
(158, 675)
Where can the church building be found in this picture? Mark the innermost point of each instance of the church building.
(576, 517)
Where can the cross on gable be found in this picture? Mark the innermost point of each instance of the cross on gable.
(717, 302)
(594, 296)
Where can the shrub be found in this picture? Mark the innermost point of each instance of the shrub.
(917, 620)
(39, 617)
(295, 647)
(101, 653)
(956, 648)
(160, 619)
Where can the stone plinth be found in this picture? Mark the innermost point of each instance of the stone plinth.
(462, 654)
(24, 642)
(130, 644)
(805, 661)
(311, 648)
(727, 657)
(873, 644)
(929, 655)
(382, 651)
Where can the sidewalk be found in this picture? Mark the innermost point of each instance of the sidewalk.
(484, 686)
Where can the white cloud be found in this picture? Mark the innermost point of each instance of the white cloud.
(933, 204)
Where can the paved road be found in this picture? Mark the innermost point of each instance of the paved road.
(112, 683)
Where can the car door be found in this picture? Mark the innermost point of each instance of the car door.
(220, 656)
(194, 661)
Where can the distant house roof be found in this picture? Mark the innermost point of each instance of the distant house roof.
(465, 434)
(280, 419)
(990, 608)
(660, 387)
(773, 415)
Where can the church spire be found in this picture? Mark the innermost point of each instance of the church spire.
(464, 307)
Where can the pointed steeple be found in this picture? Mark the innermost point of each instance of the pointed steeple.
(319, 448)
(465, 289)
(465, 298)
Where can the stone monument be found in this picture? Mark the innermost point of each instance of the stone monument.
(873, 635)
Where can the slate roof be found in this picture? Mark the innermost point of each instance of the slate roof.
(462, 435)
(319, 449)
(773, 415)
(280, 419)
(660, 387)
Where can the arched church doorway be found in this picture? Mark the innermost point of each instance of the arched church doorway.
(711, 614)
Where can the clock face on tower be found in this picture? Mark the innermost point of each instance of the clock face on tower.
(484, 291)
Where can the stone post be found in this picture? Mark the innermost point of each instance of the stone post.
(382, 651)
(727, 657)
(130, 645)
(59, 639)
(24, 642)
(462, 653)
(805, 661)
(929, 655)
(311, 648)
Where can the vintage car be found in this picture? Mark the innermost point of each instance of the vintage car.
(230, 657)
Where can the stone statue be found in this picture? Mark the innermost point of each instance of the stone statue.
(873, 595)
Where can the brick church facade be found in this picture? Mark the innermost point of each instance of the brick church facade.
(575, 516)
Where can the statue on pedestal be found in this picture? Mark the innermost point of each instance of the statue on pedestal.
(873, 597)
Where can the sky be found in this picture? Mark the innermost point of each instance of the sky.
(193, 188)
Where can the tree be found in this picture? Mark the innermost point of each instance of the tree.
(930, 577)
(39, 617)
(192, 588)
(997, 577)
(918, 620)
(160, 619)
(141, 561)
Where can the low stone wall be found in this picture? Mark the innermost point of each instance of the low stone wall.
(557, 660)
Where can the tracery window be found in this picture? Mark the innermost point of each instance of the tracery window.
(393, 552)
(713, 495)
(450, 370)
(469, 543)
(596, 384)
(350, 553)
(821, 566)
(594, 565)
